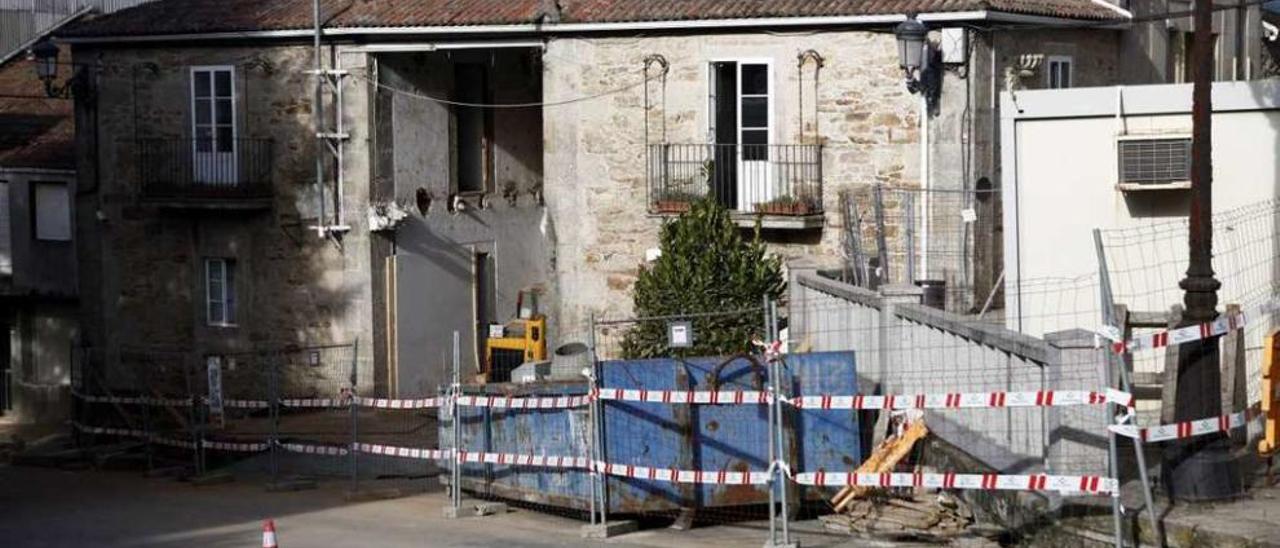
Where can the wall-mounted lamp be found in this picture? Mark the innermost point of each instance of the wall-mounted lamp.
(911, 36)
(46, 57)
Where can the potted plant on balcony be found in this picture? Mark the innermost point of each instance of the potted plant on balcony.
(785, 205)
(674, 201)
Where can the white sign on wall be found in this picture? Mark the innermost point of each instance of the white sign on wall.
(214, 366)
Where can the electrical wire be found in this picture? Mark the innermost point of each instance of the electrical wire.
(541, 104)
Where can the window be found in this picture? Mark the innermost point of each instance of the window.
(220, 291)
(1164, 160)
(51, 215)
(741, 121)
(213, 125)
(473, 135)
(1059, 73)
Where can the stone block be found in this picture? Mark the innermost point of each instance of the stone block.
(475, 508)
(601, 531)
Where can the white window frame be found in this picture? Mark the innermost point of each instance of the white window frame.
(772, 115)
(1069, 61)
(227, 320)
(39, 226)
(213, 118)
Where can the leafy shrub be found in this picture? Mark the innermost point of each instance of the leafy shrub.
(706, 266)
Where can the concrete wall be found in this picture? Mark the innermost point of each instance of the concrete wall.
(905, 348)
(142, 265)
(432, 250)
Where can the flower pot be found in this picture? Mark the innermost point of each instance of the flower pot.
(671, 206)
(789, 208)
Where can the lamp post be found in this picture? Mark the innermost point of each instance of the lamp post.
(1200, 468)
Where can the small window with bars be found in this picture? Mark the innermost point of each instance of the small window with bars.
(1151, 161)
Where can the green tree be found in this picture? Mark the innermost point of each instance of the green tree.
(706, 266)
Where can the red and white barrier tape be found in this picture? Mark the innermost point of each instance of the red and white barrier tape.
(523, 460)
(138, 434)
(240, 447)
(402, 452)
(314, 403)
(512, 402)
(672, 475)
(383, 403)
(243, 404)
(950, 480)
(171, 442)
(957, 400)
(132, 400)
(720, 397)
(1182, 335)
(1188, 429)
(310, 449)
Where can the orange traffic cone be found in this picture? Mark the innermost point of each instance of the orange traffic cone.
(269, 534)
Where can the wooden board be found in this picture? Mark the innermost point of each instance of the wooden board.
(884, 458)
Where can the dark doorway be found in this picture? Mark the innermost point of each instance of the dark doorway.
(724, 169)
(486, 299)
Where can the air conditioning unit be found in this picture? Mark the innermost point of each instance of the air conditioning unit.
(1153, 162)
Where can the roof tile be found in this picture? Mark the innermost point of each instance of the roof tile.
(210, 16)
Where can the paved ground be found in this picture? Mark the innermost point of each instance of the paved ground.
(44, 507)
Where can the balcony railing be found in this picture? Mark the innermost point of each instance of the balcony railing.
(205, 170)
(766, 179)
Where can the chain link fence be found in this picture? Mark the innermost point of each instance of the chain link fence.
(943, 240)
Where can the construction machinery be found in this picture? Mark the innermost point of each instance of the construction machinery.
(519, 341)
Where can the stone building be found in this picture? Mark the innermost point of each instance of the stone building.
(536, 146)
(38, 319)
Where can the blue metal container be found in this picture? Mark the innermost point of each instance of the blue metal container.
(722, 437)
(546, 432)
(687, 437)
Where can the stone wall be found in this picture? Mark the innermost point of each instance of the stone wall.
(861, 112)
(142, 265)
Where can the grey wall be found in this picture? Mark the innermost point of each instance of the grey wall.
(433, 250)
(902, 347)
(40, 267)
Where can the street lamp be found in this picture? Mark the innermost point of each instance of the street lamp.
(911, 35)
(1202, 468)
(46, 57)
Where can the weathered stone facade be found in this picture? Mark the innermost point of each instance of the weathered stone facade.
(582, 249)
(143, 275)
(856, 105)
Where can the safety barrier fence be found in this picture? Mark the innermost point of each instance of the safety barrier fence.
(413, 439)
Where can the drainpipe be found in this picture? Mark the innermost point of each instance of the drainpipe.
(924, 186)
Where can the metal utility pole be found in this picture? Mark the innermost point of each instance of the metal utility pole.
(1201, 468)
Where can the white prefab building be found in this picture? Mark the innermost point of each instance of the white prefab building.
(1118, 159)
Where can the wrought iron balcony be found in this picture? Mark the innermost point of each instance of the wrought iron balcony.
(771, 180)
(205, 172)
